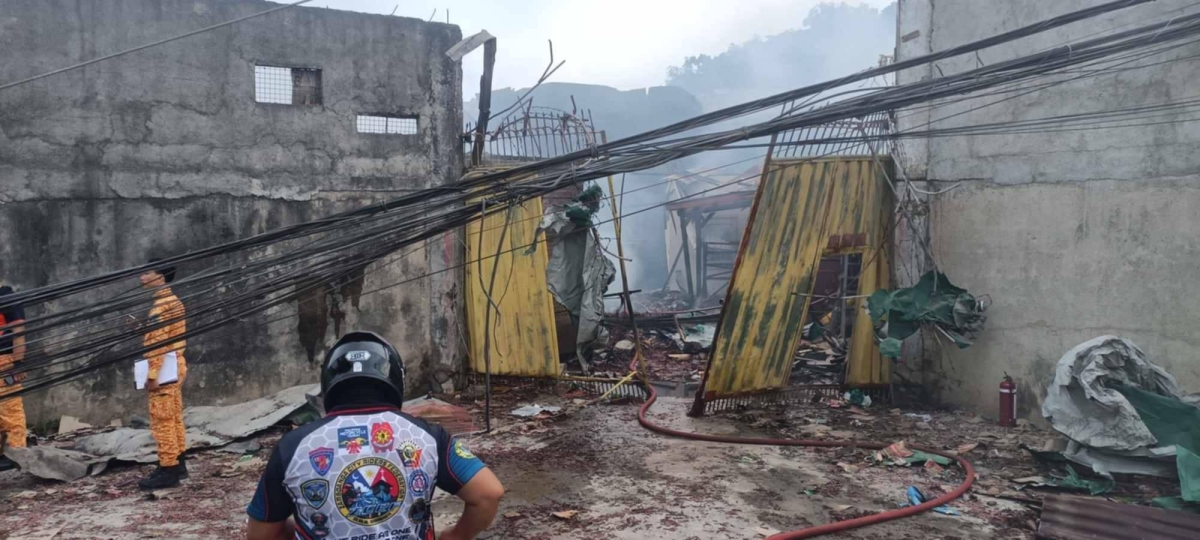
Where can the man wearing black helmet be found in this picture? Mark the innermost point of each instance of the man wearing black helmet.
(367, 470)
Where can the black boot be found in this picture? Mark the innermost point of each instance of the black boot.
(161, 478)
(181, 469)
(6, 464)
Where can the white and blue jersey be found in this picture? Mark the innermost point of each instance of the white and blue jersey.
(362, 474)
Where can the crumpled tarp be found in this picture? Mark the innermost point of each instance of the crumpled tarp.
(1125, 414)
(578, 274)
(1172, 422)
(56, 463)
(245, 419)
(137, 445)
(1081, 404)
(207, 427)
(900, 313)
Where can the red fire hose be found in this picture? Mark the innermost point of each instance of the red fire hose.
(828, 527)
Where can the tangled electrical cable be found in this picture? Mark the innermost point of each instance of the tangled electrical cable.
(264, 272)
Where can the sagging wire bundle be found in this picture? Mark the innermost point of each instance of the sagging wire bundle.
(266, 272)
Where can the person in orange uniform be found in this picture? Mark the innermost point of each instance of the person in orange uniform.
(12, 352)
(166, 323)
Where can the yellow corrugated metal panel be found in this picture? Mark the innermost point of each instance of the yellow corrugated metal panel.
(524, 339)
(799, 205)
(863, 206)
(760, 324)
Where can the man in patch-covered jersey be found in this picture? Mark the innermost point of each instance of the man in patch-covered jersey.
(367, 470)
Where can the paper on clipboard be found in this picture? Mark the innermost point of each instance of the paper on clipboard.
(169, 372)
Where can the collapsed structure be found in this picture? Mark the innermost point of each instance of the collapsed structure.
(876, 187)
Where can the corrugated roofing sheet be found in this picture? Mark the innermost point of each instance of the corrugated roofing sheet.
(1079, 518)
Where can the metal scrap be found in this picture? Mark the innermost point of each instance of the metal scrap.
(1079, 518)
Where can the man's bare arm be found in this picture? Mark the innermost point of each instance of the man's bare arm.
(260, 530)
(482, 497)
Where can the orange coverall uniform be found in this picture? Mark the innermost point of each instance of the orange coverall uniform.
(12, 411)
(166, 401)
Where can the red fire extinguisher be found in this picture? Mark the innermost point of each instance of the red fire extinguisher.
(1008, 402)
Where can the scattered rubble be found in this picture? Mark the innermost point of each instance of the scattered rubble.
(529, 411)
(1121, 413)
(67, 424)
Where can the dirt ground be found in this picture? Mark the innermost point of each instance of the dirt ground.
(621, 480)
(607, 477)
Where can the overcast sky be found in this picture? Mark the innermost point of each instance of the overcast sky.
(621, 43)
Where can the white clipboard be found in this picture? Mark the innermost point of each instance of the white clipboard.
(169, 372)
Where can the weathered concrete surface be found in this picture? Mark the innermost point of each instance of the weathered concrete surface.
(164, 151)
(1074, 235)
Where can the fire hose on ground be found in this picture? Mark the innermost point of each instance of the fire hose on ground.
(828, 527)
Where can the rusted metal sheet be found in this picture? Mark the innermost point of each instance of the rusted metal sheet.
(524, 340)
(1079, 518)
(798, 207)
(861, 208)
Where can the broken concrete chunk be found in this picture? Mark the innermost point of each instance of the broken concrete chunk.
(67, 424)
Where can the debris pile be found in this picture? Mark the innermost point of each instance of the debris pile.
(1124, 414)
(821, 357)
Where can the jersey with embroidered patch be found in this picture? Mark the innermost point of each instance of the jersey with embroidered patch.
(367, 473)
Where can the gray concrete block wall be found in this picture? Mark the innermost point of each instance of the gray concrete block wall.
(1074, 235)
(164, 151)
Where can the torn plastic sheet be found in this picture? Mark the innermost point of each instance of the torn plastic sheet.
(701, 334)
(529, 411)
(1074, 481)
(1081, 405)
(916, 498)
(933, 300)
(1148, 461)
(578, 274)
(1124, 414)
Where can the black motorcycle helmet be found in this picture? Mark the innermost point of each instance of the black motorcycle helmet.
(358, 360)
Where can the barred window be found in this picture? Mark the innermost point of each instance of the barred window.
(387, 125)
(287, 86)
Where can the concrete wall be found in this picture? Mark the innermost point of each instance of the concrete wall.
(166, 150)
(1074, 235)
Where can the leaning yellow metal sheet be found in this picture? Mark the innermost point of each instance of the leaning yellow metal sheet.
(800, 206)
(524, 339)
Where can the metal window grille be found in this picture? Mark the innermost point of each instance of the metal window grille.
(306, 86)
(387, 125)
(287, 86)
(273, 85)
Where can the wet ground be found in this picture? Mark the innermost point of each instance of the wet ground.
(593, 472)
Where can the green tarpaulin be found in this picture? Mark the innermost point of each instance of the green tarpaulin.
(933, 300)
(1172, 422)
